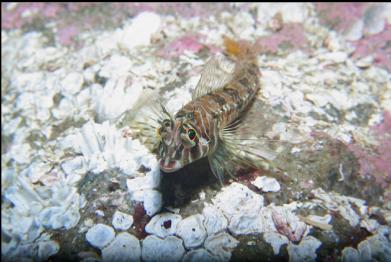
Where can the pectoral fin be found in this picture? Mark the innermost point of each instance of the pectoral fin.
(254, 140)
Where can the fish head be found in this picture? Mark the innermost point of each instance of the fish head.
(180, 144)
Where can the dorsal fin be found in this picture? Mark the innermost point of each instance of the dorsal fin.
(218, 71)
(240, 50)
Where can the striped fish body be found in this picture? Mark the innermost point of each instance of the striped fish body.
(195, 131)
(214, 111)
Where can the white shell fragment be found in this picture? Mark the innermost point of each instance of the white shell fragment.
(322, 222)
(125, 247)
(152, 201)
(275, 240)
(142, 26)
(158, 249)
(305, 250)
(267, 184)
(192, 231)
(221, 245)
(72, 83)
(339, 203)
(100, 235)
(163, 224)
(122, 221)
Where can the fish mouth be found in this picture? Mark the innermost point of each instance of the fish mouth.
(169, 166)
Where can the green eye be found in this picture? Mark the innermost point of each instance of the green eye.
(192, 134)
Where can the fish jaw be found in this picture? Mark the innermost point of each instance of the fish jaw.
(170, 166)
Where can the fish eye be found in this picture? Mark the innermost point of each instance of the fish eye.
(192, 134)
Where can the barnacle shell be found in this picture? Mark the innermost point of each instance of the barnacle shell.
(100, 235)
(221, 244)
(124, 247)
(122, 221)
(305, 250)
(192, 231)
(199, 255)
(163, 224)
(158, 249)
(214, 221)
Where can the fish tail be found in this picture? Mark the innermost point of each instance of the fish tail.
(241, 50)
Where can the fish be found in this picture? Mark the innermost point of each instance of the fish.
(218, 122)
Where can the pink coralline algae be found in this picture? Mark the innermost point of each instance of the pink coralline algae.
(179, 46)
(377, 163)
(66, 34)
(291, 36)
(377, 45)
(182, 9)
(14, 17)
(340, 16)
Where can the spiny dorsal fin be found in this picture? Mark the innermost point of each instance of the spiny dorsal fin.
(218, 72)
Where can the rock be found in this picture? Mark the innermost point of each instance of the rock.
(125, 247)
(100, 235)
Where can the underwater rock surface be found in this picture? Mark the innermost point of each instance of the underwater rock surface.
(78, 184)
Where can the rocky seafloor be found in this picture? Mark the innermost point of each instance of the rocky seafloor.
(78, 185)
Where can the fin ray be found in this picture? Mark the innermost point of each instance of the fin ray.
(218, 72)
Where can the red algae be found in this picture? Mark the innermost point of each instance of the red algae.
(376, 162)
(291, 36)
(140, 220)
(67, 34)
(378, 45)
(340, 16)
